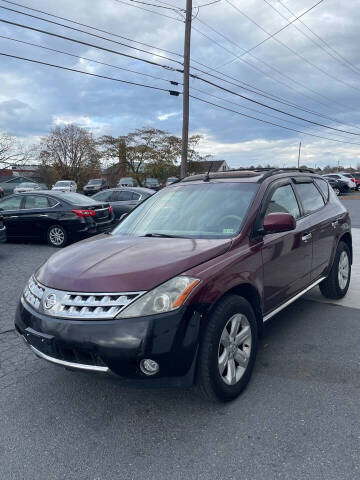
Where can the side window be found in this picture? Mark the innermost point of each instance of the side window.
(136, 196)
(52, 202)
(324, 187)
(283, 200)
(11, 203)
(122, 196)
(310, 197)
(102, 196)
(35, 201)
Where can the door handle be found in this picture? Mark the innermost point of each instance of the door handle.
(335, 224)
(306, 238)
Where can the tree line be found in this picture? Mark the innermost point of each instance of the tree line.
(73, 152)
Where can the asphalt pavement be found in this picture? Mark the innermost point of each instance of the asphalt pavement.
(298, 419)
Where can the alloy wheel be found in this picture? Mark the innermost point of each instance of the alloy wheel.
(344, 270)
(234, 349)
(57, 236)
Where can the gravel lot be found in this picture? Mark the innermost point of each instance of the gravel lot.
(298, 419)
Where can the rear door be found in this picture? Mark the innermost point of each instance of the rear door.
(321, 220)
(35, 215)
(286, 256)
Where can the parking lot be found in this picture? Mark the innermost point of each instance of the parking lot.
(298, 418)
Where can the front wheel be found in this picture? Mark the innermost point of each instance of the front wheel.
(57, 236)
(336, 285)
(228, 349)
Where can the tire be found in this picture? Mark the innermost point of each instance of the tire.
(217, 352)
(336, 284)
(358, 188)
(337, 191)
(56, 236)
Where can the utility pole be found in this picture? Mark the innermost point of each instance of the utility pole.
(186, 90)
(299, 155)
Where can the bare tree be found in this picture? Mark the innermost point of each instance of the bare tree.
(71, 151)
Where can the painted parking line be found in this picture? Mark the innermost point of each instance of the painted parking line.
(352, 298)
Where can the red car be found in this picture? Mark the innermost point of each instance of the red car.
(356, 177)
(179, 291)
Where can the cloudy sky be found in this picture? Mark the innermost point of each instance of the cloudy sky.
(312, 64)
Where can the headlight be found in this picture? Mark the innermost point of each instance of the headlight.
(165, 298)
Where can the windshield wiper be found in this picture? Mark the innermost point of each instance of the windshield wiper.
(162, 235)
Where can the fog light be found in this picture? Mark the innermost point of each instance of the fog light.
(149, 367)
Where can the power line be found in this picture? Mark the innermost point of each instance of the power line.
(91, 34)
(271, 123)
(239, 57)
(207, 4)
(92, 28)
(89, 45)
(273, 108)
(291, 50)
(168, 7)
(341, 58)
(249, 108)
(90, 60)
(148, 10)
(172, 92)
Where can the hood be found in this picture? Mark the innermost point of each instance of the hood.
(125, 264)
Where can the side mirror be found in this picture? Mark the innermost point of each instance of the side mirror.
(123, 216)
(279, 222)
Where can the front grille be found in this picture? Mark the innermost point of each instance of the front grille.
(76, 305)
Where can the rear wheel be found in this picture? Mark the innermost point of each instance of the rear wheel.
(336, 284)
(228, 349)
(57, 236)
(337, 191)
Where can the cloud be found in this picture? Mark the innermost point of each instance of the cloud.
(34, 98)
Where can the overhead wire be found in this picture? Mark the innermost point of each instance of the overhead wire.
(172, 92)
(89, 26)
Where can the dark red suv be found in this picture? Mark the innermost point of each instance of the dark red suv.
(179, 291)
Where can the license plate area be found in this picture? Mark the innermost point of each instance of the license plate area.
(40, 341)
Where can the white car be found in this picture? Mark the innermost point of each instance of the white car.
(65, 186)
(27, 187)
(345, 178)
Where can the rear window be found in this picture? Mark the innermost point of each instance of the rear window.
(323, 187)
(62, 184)
(310, 197)
(78, 199)
(122, 196)
(35, 201)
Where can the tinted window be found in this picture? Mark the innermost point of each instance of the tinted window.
(77, 199)
(102, 196)
(11, 203)
(333, 176)
(52, 202)
(136, 196)
(207, 210)
(323, 187)
(283, 200)
(36, 201)
(122, 196)
(310, 197)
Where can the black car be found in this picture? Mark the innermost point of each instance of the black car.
(123, 200)
(2, 230)
(95, 185)
(57, 217)
(152, 183)
(338, 185)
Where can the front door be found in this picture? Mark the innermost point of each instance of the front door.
(11, 210)
(286, 256)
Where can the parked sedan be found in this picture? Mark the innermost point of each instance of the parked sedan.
(94, 186)
(27, 187)
(340, 176)
(152, 183)
(123, 200)
(338, 186)
(2, 230)
(55, 216)
(65, 186)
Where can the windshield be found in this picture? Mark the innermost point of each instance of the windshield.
(94, 182)
(62, 184)
(208, 210)
(151, 180)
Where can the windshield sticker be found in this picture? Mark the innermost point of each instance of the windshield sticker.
(228, 230)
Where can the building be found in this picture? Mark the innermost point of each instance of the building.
(205, 166)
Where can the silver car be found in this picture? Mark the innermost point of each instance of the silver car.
(65, 186)
(27, 187)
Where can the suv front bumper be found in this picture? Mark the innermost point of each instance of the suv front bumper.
(117, 346)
